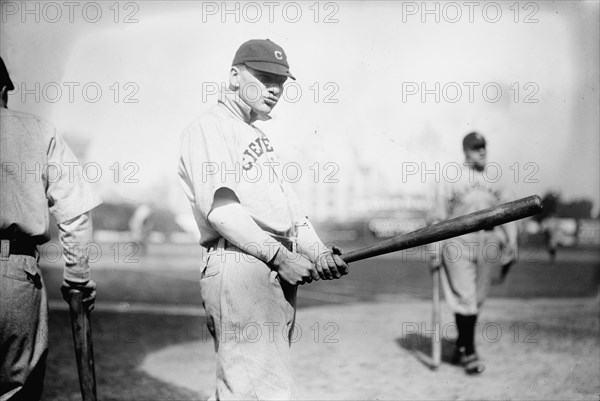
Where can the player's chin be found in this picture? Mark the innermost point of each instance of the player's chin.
(261, 108)
(269, 104)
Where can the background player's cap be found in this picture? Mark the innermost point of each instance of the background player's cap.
(263, 55)
(4, 78)
(474, 140)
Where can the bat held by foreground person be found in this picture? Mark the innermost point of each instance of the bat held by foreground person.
(82, 339)
(455, 227)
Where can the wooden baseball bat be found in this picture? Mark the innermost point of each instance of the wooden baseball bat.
(461, 225)
(82, 339)
(436, 340)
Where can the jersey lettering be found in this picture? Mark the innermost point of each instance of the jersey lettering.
(459, 195)
(255, 150)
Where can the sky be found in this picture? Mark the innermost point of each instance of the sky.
(393, 86)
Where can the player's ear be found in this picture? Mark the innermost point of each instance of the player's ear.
(234, 78)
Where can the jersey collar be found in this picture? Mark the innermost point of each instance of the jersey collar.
(239, 108)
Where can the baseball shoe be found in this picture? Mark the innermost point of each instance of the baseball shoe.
(472, 364)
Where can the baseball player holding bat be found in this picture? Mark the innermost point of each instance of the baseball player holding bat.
(471, 261)
(40, 174)
(259, 245)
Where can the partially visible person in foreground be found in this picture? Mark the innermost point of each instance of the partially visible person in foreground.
(40, 175)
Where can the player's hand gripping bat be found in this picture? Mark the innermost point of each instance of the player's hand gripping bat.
(82, 339)
(480, 220)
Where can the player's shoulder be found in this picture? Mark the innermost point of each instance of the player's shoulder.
(205, 123)
(21, 115)
(33, 124)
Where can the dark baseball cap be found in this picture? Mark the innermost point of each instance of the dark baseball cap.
(263, 55)
(4, 78)
(474, 140)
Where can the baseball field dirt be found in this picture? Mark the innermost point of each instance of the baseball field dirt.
(539, 349)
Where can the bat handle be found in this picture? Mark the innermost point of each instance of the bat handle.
(82, 340)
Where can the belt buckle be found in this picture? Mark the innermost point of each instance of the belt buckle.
(5, 248)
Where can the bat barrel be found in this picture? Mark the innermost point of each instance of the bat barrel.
(480, 220)
(82, 339)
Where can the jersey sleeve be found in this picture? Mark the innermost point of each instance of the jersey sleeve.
(68, 194)
(207, 164)
(74, 235)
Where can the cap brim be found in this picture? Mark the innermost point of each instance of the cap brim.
(271, 68)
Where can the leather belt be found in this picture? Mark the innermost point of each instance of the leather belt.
(12, 246)
(213, 244)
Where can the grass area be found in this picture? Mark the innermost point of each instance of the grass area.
(121, 341)
(171, 275)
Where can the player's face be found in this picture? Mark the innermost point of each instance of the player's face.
(260, 90)
(476, 156)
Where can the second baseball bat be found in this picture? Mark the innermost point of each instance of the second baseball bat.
(461, 225)
(436, 340)
(82, 339)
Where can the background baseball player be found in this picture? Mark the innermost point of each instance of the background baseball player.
(39, 173)
(472, 261)
(260, 247)
(141, 224)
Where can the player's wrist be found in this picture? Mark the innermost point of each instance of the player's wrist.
(315, 252)
(283, 257)
(511, 248)
(269, 250)
(79, 284)
(76, 277)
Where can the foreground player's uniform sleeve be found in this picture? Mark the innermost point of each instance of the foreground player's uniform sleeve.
(232, 221)
(68, 194)
(70, 198)
(207, 164)
(74, 236)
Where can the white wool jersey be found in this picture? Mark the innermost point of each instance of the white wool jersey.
(469, 191)
(223, 149)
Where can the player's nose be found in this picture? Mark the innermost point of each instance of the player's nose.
(275, 89)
